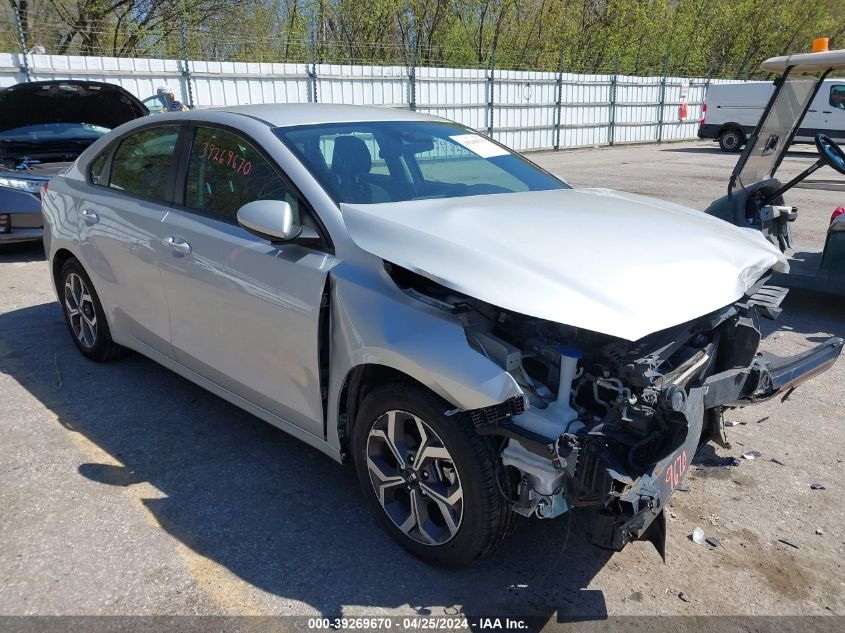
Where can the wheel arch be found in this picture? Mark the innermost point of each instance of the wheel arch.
(378, 333)
(60, 257)
(359, 381)
(733, 126)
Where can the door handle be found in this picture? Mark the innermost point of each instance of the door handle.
(180, 247)
(827, 111)
(812, 110)
(89, 216)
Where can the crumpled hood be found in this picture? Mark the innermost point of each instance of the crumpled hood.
(610, 262)
(70, 101)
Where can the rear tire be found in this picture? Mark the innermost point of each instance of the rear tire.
(439, 454)
(84, 314)
(731, 140)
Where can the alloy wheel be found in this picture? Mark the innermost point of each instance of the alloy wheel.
(414, 478)
(80, 310)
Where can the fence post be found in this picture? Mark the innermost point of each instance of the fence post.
(22, 42)
(186, 68)
(312, 66)
(312, 83)
(412, 71)
(490, 87)
(611, 132)
(662, 99)
(558, 99)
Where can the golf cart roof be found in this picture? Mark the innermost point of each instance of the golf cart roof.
(807, 62)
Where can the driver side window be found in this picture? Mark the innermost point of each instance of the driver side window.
(225, 172)
(837, 96)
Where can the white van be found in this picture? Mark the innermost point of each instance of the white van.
(731, 112)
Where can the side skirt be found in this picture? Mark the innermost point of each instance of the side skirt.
(312, 440)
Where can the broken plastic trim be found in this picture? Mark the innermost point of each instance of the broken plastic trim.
(496, 420)
(769, 375)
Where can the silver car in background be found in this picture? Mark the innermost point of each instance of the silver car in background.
(44, 127)
(483, 340)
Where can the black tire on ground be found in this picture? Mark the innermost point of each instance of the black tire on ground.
(487, 518)
(100, 347)
(731, 140)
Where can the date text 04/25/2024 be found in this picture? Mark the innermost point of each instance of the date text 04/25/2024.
(425, 623)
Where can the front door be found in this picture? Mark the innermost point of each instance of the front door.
(245, 314)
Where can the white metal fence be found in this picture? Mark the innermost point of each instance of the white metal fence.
(525, 110)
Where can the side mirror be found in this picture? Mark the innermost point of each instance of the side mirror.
(272, 220)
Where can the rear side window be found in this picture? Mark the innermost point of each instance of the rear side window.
(837, 96)
(142, 163)
(225, 172)
(97, 168)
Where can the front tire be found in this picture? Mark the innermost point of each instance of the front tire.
(430, 478)
(731, 140)
(84, 314)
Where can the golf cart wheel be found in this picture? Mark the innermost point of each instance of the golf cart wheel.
(84, 314)
(731, 140)
(428, 477)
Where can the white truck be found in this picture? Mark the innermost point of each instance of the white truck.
(731, 112)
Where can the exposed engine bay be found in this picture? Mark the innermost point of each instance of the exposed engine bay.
(609, 423)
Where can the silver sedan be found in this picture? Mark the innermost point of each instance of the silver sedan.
(483, 340)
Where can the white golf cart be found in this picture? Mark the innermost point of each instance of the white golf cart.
(755, 196)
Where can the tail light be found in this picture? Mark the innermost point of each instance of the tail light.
(839, 211)
(703, 112)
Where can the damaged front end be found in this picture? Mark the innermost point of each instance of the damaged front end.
(610, 424)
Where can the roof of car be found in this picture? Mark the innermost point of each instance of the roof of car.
(807, 62)
(288, 114)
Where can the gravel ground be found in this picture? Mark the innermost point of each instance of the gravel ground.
(127, 490)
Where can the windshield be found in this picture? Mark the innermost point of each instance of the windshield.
(393, 161)
(46, 142)
(766, 150)
(53, 132)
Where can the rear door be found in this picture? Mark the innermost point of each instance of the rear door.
(245, 314)
(120, 218)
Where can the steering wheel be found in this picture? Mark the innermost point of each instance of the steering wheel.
(830, 152)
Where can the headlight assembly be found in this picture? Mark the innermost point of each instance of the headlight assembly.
(24, 184)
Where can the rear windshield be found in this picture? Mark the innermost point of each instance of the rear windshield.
(393, 161)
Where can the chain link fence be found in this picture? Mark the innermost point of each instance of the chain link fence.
(552, 105)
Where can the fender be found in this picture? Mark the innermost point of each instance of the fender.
(374, 322)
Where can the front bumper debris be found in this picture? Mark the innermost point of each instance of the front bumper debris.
(636, 414)
(635, 504)
(769, 376)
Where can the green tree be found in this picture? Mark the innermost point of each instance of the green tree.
(689, 37)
